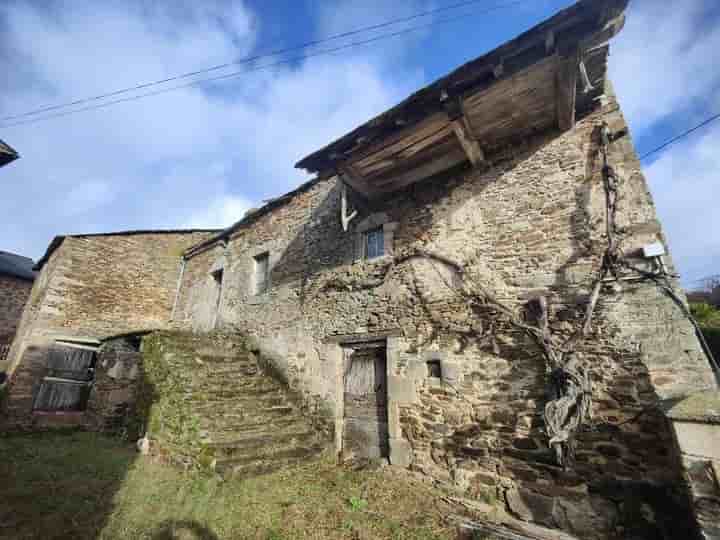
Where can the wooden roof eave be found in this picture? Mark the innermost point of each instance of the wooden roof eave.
(580, 26)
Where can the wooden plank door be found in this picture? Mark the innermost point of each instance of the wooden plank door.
(365, 433)
(70, 373)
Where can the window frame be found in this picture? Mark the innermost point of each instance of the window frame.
(261, 280)
(366, 239)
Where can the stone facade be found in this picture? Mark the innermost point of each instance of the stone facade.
(14, 293)
(474, 237)
(89, 288)
(530, 224)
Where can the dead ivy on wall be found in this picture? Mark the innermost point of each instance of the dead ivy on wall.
(569, 404)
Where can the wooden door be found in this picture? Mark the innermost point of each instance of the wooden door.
(365, 433)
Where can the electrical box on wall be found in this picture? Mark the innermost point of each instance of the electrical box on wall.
(656, 249)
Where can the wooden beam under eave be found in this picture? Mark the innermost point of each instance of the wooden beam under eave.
(393, 182)
(348, 175)
(471, 147)
(566, 90)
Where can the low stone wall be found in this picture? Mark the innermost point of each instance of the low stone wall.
(118, 378)
(696, 426)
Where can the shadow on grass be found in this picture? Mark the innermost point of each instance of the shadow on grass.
(183, 530)
(59, 485)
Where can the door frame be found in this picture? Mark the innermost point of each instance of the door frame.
(399, 388)
(346, 348)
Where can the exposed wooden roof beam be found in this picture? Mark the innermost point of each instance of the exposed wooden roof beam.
(566, 89)
(471, 147)
(463, 132)
(348, 176)
(397, 180)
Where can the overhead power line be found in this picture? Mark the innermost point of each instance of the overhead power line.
(680, 136)
(250, 59)
(235, 73)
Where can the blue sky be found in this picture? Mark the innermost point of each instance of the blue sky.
(201, 156)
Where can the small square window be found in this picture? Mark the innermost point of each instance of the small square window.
(434, 369)
(374, 243)
(262, 273)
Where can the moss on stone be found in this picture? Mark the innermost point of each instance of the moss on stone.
(162, 399)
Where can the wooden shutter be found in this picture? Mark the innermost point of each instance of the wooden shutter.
(70, 373)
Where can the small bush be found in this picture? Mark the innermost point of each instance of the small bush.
(705, 314)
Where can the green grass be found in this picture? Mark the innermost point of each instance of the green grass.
(83, 486)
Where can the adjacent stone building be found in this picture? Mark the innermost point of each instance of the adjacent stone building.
(89, 287)
(16, 280)
(475, 286)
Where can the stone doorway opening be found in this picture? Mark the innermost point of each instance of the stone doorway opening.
(365, 420)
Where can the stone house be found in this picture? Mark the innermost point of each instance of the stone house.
(16, 280)
(490, 237)
(90, 287)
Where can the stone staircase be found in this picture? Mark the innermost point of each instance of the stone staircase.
(249, 421)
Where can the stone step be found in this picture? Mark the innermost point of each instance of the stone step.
(226, 359)
(243, 426)
(243, 466)
(238, 447)
(246, 388)
(253, 470)
(218, 408)
(221, 371)
(221, 352)
(262, 400)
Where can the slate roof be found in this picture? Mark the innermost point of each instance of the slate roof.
(59, 239)
(7, 154)
(16, 266)
(580, 20)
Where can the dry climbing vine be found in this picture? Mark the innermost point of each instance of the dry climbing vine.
(569, 404)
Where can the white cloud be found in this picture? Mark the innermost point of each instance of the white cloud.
(221, 213)
(661, 66)
(686, 182)
(194, 156)
(86, 197)
(661, 60)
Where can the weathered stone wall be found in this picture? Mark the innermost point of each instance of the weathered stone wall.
(111, 401)
(531, 224)
(118, 377)
(14, 293)
(93, 287)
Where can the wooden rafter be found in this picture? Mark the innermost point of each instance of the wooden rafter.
(566, 90)
(349, 177)
(471, 147)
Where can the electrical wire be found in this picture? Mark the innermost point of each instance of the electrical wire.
(235, 73)
(250, 59)
(680, 136)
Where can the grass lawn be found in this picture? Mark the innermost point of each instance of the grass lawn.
(83, 485)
